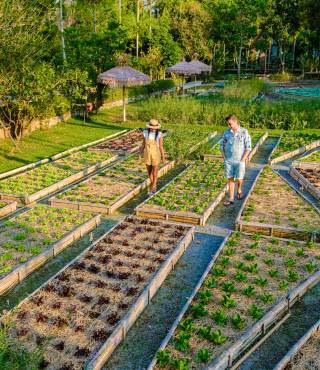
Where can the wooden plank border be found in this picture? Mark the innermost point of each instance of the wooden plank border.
(57, 156)
(281, 365)
(278, 231)
(190, 299)
(110, 209)
(204, 141)
(29, 199)
(301, 150)
(304, 182)
(180, 216)
(9, 208)
(22, 271)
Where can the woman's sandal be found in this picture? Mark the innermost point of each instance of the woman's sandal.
(228, 202)
(240, 196)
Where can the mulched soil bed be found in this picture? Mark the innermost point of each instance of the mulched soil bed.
(272, 201)
(127, 143)
(315, 157)
(74, 313)
(311, 174)
(43, 176)
(28, 234)
(251, 274)
(308, 358)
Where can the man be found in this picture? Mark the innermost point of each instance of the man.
(235, 148)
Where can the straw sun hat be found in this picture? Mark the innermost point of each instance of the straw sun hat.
(153, 123)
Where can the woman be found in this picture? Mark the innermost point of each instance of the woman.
(152, 148)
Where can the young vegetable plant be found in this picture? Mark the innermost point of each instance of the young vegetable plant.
(220, 317)
(238, 322)
(228, 302)
(256, 312)
(203, 355)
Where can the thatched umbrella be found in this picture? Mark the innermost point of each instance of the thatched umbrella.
(202, 67)
(123, 77)
(184, 69)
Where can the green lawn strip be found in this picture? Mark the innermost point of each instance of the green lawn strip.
(249, 277)
(45, 175)
(193, 191)
(45, 143)
(110, 185)
(30, 233)
(293, 140)
(273, 201)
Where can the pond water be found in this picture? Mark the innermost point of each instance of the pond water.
(300, 91)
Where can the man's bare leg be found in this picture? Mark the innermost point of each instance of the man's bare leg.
(231, 191)
(240, 183)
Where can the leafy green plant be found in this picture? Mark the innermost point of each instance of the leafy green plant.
(163, 357)
(241, 277)
(253, 268)
(210, 283)
(249, 291)
(238, 322)
(220, 317)
(181, 341)
(203, 355)
(261, 281)
(216, 271)
(204, 297)
(290, 262)
(268, 261)
(283, 285)
(187, 325)
(228, 302)
(225, 261)
(180, 363)
(256, 312)
(249, 256)
(198, 311)
(266, 297)
(292, 276)
(228, 287)
(273, 273)
(310, 266)
(300, 252)
(254, 245)
(229, 251)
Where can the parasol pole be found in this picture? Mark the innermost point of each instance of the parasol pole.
(124, 103)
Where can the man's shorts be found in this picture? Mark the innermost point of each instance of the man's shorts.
(234, 169)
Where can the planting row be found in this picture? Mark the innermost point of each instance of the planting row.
(308, 176)
(314, 157)
(294, 143)
(190, 197)
(67, 169)
(215, 150)
(124, 144)
(274, 207)
(84, 311)
(31, 235)
(251, 274)
(108, 190)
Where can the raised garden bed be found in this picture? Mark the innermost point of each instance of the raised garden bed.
(304, 355)
(57, 156)
(293, 144)
(311, 158)
(7, 207)
(257, 141)
(246, 289)
(308, 176)
(28, 240)
(34, 184)
(273, 208)
(109, 190)
(84, 311)
(191, 197)
(123, 145)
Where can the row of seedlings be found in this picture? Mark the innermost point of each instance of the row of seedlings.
(247, 288)
(58, 156)
(7, 207)
(28, 240)
(257, 141)
(274, 208)
(191, 197)
(82, 313)
(303, 355)
(110, 189)
(292, 144)
(307, 172)
(124, 145)
(30, 186)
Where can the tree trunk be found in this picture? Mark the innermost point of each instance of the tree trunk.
(269, 56)
(63, 47)
(294, 53)
(282, 58)
(239, 62)
(137, 37)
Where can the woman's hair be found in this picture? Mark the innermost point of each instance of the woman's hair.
(157, 133)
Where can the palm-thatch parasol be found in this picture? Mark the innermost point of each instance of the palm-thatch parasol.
(202, 67)
(123, 77)
(185, 69)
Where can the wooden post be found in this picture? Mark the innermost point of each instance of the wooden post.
(124, 103)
